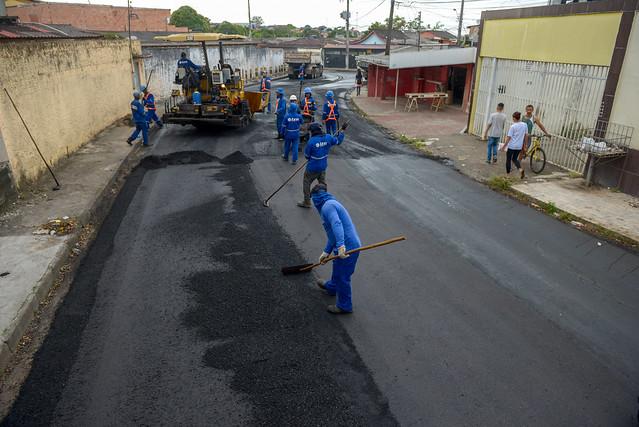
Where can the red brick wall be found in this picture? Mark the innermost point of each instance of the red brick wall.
(95, 17)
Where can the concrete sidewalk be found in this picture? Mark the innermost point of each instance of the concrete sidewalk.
(438, 134)
(33, 252)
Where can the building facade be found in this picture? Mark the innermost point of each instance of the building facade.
(578, 65)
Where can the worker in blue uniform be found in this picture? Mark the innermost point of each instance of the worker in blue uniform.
(186, 63)
(139, 118)
(330, 113)
(316, 151)
(265, 88)
(149, 103)
(308, 105)
(342, 237)
(301, 73)
(280, 111)
(291, 125)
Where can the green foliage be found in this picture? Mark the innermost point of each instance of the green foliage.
(399, 23)
(111, 36)
(437, 26)
(188, 17)
(257, 21)
(550, 208)
(226, 27)
(500, 183)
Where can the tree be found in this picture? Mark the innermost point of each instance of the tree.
(226, 27)
(188, 17)
(399, 23)
(377, 26)
(437, 26)
(257, 21)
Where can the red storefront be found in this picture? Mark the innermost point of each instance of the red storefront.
(447, 70)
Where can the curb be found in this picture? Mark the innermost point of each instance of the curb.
(63, 266)
(588, 227)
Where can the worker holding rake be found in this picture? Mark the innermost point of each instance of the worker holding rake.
(342, 237)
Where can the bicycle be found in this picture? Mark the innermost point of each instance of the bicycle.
(537, 154)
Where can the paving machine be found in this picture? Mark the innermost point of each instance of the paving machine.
(219, 98)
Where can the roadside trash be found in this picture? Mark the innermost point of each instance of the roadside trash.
(57, 227)
(576, 223)
(599, 244)
(589, 145)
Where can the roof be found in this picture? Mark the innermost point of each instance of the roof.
(199, 37)
(11, 28)
(441, 34)
(355, 46)
(409, 58)
(310, 42)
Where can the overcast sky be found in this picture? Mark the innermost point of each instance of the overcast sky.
(326, 12)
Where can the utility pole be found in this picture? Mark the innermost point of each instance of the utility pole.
(249, 12)
(348, 16)
(419, 30)
(390, 28)
(461, 20)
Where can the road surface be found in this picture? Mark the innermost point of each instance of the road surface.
(491, 313)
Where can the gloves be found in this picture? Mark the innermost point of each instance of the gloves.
(323, 257)
(341, 252)
(344, 126)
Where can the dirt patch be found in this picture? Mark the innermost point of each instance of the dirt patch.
(236, 158)
(177, 158)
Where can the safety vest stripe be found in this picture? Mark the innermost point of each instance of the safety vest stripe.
(318, 158)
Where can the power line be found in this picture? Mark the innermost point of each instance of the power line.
(373, 9)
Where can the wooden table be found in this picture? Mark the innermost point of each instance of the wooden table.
(437, 97)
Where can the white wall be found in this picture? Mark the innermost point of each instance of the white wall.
(625, 110)
(163, 61)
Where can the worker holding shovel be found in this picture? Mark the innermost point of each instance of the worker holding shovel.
(342, 237)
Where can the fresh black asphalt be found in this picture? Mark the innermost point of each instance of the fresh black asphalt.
(489, 314)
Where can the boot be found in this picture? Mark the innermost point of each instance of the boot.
(333, 309)
(304, 205)
(320, 284)
(129, 141)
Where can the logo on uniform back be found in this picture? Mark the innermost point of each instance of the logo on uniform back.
(321, 144)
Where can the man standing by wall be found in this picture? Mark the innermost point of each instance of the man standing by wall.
(494, 131)
(265, 85)
(139, 118)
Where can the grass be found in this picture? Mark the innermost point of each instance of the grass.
(500, 183)
(573, 174)
(550, 208)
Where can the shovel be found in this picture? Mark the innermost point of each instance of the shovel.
(305, 268)
(265, 201)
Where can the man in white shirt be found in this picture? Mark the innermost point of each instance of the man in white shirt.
(517, 137)
(494, 131)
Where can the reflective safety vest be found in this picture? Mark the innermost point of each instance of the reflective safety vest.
(331, 112)
(264, 89)
(307, 104)
(150, 105)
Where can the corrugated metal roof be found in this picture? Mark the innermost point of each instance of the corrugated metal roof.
(11, 29)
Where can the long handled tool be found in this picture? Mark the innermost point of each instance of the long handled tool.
(305, 268)
(57, 184)
(265, 202)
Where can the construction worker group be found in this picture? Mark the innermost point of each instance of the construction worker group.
(291, 123)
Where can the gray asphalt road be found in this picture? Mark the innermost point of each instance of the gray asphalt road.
(489, 314)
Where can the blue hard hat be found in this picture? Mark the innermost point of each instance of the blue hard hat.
(329, 94)
(142, 88)
(315, 129)
(136, 94)
(307, 90)
(280, 91)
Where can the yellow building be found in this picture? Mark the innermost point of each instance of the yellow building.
(578, 65)
(10, 3)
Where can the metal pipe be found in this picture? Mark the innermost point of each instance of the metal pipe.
(396, 87)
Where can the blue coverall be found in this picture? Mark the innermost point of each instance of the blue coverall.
(291, 125)
(308, 108)
(340, 230)
(317, 149)
(187, 64)
(330, 115)
(265, 84)
(301, 72)
(151, 115)
(280, 110)
(141, 125)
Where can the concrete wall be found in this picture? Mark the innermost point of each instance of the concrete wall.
(67, 91)
(95, 17)
(247, 57)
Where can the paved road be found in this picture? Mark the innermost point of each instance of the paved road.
(489, 314)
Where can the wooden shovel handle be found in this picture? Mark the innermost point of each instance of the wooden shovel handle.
(360, 249)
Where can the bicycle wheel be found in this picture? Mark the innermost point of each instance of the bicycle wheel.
(538, 161)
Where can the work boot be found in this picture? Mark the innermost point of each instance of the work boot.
(293, 162)
(333, 309)
(304, 205)
(129, 141)
(285, 158)
(321, 285)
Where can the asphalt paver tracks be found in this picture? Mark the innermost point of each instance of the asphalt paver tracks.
(179, 314)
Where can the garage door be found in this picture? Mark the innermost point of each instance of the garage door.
(567, 98)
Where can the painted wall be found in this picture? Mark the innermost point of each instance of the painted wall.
(625, 109)
(575, 39)
(247, 57)
(67, 91)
